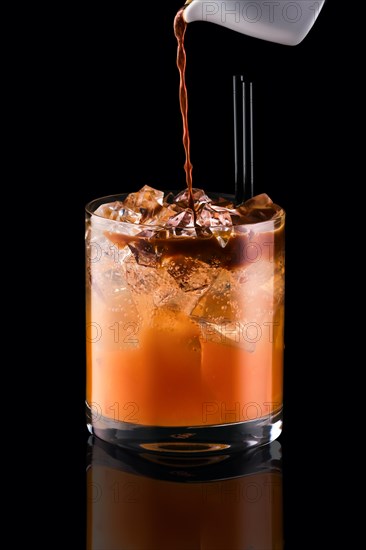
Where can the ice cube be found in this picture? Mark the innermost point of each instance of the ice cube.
(260, 201)
(146, 197)
(147, 203)
(274, 289)
(184, 218)
(217, 305)
(191, 275)
(258, 292)
(222, 235)
(149, 286)
(145, 252)
(129, 216)
(137, 208)
(224, 203)
(164, 215)
(257, 209)
(106, 210)
(238, 302)
(113, 283)
(104, 270)
(128, 221)
(213, 216)
(199, 197)
(218, 220)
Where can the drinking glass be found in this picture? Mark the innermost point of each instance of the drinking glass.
(184, 334)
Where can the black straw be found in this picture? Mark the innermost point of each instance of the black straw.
(243, 139)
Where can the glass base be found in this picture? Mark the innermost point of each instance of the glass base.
(188, 440)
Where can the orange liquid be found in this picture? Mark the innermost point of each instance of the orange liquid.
(188, 359)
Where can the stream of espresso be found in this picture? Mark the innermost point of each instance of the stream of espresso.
(180, 27)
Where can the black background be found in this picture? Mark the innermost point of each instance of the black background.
(119, 114)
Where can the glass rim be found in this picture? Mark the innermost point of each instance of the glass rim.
(280, 215)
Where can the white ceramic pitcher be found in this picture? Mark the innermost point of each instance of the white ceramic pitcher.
(281, 21)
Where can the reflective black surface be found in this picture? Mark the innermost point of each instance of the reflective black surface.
(89, 484)
(101, 101)
(149, 502)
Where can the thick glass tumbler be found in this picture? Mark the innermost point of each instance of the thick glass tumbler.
(184, 333)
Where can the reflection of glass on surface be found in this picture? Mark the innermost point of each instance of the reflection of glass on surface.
(150, 502)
